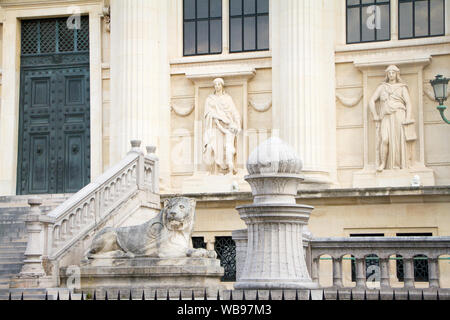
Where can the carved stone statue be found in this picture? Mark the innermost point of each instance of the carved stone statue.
(166, 236)
(222, 123)
(394, 123)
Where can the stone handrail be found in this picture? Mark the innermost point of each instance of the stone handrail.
(94, 204)
(383, 247)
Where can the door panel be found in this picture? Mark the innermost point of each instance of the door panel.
(54, 137)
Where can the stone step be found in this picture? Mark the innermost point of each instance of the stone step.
(47, 198)
(10, 268)
(6, 260)
(6, 249)
(12, 255)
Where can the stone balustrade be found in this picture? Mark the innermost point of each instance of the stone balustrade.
(381, 250)
(53, 234)
(362, 250)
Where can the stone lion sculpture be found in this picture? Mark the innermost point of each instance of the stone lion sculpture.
(168, 235)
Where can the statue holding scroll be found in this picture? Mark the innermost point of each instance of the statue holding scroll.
(222, 123)
(395, 129)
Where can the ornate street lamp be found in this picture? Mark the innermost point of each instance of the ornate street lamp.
(440, 93)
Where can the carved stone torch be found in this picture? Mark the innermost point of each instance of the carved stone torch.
(275, 255)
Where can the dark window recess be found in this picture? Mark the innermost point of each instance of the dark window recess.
(420, 261)
(46, 36)
(198, 243)
(249, 25)
(226, 252)
(371, 259)
(368, 20)
(421, 18)
(202, 27)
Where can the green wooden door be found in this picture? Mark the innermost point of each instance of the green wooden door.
(54, 138)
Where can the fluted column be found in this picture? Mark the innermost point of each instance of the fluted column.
(139, 76)
(304, 83)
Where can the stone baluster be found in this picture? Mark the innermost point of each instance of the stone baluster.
(240, 238)
(360, 272)
(315, 270)
(35, 245)
(337, 272)
(408, 268)
(433, 272)
(384, 273)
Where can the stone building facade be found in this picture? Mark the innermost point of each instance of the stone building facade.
(303, 70)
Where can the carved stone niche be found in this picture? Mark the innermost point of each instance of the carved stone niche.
(411, 73)
(236, 79)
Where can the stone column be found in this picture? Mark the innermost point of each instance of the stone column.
(360, 273)
(337, 272)
(275, 254)
(433, 269)
(304, 83)
(408, 269)
(140, 77)
(384, 276)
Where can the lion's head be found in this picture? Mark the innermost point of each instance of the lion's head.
(178, 214)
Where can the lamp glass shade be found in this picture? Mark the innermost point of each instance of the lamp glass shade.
(440, 85)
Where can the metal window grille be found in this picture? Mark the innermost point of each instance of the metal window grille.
(360, 14)
(226, 252)
(47, 36)
(420, 268)
(249, 25)
(415, 16)
(202, 27)
(198, 243)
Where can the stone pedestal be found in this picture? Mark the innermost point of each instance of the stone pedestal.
(216, 184)
(149, 273)
(370, 178)
(275, 255)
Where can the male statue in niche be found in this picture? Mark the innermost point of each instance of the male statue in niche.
(222, 124)
(395, 130)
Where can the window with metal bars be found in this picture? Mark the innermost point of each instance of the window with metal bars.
(225, 248)
(249, 25)
(421, 18)
(368, 20)
(370, 260)
(202, 27)
(198, 242)
(420, 261)
(49, 36)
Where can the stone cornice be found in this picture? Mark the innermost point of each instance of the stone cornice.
(31, 3)
(350, 196)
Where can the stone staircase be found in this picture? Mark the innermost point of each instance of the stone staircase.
(13, 235)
